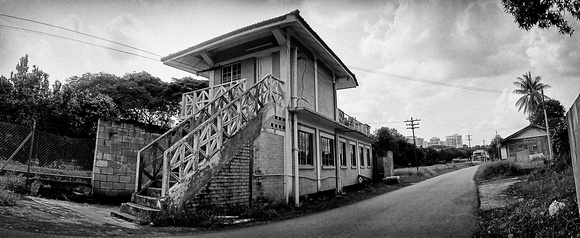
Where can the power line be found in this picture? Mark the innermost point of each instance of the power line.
(485, 90)
(75, 40)
(78, 32)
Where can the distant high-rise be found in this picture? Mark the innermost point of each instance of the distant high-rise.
(454, 141)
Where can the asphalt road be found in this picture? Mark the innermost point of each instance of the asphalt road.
(444, 206)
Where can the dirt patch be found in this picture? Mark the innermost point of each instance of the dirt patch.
(50, 216)
(492, 194)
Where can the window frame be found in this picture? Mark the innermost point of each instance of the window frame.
(353, 155)
(368, 155)
(361, 152)
(305, 160)
(327, 152)
(230, 71)
(342, 154)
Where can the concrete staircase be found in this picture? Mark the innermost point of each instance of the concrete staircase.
(173, 172)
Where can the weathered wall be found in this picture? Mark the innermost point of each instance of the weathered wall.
(230, 186)
(325, 91)
(573, 120)
(268, 168)
(116, 157)
(305, 77)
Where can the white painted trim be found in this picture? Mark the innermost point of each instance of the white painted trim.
(259, 54)
(315, 84)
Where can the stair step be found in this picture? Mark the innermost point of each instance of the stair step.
(153, 192)
(152, 202)
(128, 217)
(142, 212)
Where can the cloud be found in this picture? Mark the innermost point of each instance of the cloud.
(129, 30)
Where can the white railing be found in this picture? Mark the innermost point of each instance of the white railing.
(192, 102)
(352, 123)
(195, 149)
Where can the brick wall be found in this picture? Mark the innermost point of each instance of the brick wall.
(116, 157)
(230, 186)
(268, 179)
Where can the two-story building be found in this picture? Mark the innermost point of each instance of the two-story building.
(305, 143)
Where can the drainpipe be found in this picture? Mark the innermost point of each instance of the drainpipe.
(294, 102)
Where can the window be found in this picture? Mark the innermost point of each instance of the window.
(353, 155)
(368, 157)
(305, 156)
(362, 156)
(327, 146)
(342, 154)
(231, 72)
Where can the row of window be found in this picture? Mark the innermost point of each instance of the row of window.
(306, 152)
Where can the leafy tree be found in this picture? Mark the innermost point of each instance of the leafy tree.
(555, 111)
(493, 149)
(530, 87)
(543, 13)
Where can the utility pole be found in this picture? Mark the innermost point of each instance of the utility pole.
(413, 124)
(469, 148)
(547, 126)
(469, 140)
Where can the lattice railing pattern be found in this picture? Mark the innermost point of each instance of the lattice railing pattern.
(192, 102)
(150, 157)
(352, 123)
(195, 149)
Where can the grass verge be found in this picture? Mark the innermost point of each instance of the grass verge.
(504, 169)
(10, 187)
(215, 217)
(529, 216)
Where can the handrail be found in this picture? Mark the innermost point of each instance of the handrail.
(199, 145)
(193, 101)
(352, 123)
(168, 138)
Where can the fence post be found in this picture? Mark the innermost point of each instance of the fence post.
(31, 149)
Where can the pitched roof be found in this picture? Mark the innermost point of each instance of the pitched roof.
(290, 19)
(521, 131)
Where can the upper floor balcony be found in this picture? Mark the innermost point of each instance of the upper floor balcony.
(352, 123)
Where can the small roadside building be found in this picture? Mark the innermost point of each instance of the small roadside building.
(526, 144)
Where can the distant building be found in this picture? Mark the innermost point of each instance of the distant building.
(528, 143)
(454, 141)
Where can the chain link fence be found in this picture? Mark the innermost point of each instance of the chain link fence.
(40, 152)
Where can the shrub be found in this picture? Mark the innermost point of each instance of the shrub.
(503, 169)
(14, 183)
(8, 198)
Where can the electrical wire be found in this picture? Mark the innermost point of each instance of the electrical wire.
(485, 90)
(75, 40)
(78, 32)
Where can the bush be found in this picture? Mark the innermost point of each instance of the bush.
(8, 198)
(503, 169)
(14, 183)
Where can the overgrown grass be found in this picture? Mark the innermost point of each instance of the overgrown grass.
(411, 175)
(10, 187)
(504, 169)
(529, 217)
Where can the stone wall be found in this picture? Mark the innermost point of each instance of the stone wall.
(230, 186)
(115, 157)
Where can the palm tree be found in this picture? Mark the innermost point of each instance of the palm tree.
(532, 91)
(533, 96)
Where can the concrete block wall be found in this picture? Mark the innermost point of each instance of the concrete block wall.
(115, 157)
(268, 177)
(230, 186)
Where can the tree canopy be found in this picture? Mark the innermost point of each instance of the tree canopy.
(544, 13)
(78, 103)
(531, 90)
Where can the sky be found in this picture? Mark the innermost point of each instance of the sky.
(465, 43)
